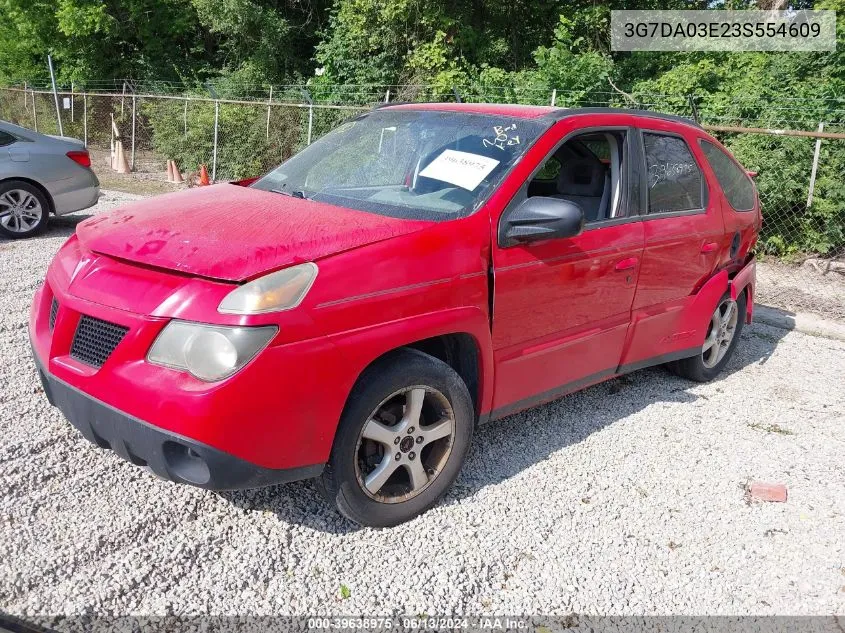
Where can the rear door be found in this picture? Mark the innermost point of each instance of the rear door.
(684, 238)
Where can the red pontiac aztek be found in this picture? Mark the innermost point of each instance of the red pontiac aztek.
(353, 314)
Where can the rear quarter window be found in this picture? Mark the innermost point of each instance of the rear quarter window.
(733, 180)
(6, 138)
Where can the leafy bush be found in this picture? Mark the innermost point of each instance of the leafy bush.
(245, 147)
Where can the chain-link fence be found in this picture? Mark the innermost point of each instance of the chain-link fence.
(796, 146)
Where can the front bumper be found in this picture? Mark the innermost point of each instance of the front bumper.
(168, 455)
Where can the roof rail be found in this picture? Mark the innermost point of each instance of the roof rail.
(562, 113)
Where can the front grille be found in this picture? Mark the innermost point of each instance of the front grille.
(95, 340)
(54, 310)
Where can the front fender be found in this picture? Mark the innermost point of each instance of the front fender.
(361, 347)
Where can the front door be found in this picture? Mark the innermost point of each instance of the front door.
(562, 306)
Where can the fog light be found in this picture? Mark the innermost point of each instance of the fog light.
(185, 463)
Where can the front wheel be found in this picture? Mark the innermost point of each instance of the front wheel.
(723, 332)
(401, 442)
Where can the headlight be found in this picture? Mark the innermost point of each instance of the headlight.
(209, 352)
(282, 290)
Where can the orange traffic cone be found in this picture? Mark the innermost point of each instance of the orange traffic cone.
(177, 175)
(204, 176)
(122, 164)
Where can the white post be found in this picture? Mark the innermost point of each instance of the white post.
(71, 102)
(132, 165)
(815, 167)
(387, 96)
(122, 97)
(310, 102)
(55, 95)
(214, 154)
(269, 101)
(185, 119)
(113, 149)
(554, 96)
(85, 118)
(34, 111)
(310, 121)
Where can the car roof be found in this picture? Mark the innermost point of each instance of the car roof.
(533, 111)
(500, 109)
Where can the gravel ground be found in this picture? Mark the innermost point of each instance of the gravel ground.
(626, 498)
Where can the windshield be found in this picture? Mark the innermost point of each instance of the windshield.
(430, 164)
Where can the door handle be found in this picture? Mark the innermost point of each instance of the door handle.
(709, 247)
(626, 264)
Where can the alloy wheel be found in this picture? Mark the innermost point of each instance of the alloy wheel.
(720, 333)
(20, 211)
(405, 444)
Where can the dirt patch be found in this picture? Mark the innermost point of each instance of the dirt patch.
(801, 289)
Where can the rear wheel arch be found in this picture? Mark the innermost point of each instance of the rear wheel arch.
(741, 283)
(35, 184)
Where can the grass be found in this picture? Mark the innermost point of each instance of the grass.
(129, 184)
(771, 428)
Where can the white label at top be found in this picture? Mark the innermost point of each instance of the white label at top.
(460, 168)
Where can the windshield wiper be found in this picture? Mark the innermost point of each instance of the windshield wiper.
(293, 194)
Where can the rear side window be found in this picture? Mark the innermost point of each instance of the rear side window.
(6, 138)
(674, 179)
(732, 178)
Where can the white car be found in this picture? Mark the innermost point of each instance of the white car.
(40, 175)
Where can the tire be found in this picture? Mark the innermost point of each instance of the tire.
(419, 461)
(698, 368)
(24, 209)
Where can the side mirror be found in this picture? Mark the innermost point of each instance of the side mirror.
(540, 218)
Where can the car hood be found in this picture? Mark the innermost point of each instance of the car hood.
(233, 233)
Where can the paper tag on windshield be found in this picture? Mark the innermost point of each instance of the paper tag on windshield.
(460, 168)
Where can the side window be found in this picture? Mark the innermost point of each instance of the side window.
(6, 138)
(674, 179)
(549, 171)
(588, 169)
(732, 178)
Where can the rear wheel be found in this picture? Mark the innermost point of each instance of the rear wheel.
(24, 209)
(723, 332)
(401, 442)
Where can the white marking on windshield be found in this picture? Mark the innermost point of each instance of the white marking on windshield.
(503, 137)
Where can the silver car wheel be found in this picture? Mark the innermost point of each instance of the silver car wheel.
(405, 444)
(720, 333)
(20, 211)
